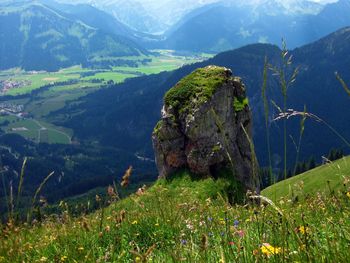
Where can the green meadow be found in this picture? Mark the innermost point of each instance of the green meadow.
(187, 220)
(40, 132)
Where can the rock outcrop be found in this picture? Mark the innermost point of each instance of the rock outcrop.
(206, 127)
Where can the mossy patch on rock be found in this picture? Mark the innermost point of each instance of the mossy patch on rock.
(196, 88)
(240, 103)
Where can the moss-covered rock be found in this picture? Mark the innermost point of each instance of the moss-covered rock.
(196, 88)
(201, 128)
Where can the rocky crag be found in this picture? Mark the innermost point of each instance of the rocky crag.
(206, 127)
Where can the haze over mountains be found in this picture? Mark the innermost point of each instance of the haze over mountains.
(225, 26)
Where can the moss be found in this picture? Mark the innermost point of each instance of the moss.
(240, 103)
(216, 148)
(200, 85)
(157, 127)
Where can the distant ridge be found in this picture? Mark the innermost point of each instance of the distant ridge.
(35, 36)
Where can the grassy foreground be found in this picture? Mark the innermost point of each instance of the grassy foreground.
(185, 220)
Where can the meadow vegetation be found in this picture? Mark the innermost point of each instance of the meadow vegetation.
(187, 220)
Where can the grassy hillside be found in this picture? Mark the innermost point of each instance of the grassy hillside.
(35, 36)
(186, 220)
(326, 178)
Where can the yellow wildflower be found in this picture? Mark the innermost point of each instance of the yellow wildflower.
(64, 258)
(137, 259)
(269, 250)
(348, 194)
(134, 222)
(156, 224)
(43, 259)
(303, 230)
(80, 248)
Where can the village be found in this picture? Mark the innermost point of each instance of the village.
(6, 85)
(7, 108)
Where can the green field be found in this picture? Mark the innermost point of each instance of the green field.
(163, 60)
(80, 82)
(117, 77)
(326, 178)
(36, 131)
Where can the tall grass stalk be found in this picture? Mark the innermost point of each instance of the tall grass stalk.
(266, 115)
(20, 184)
(285, 82)
(2, 172)
(38, 190)
(254, 160)
(342, 82)
(293, 113)
(301, 133)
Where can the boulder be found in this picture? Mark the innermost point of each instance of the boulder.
(206, 128)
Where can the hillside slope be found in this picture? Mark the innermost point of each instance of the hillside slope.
(184, 220)
(326, 178)
(35, 36)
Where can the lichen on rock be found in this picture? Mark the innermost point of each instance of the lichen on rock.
(205, 126)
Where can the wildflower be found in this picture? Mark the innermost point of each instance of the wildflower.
(183, 242)
(64, 258)
(210, 219)
(240, 233)
(156, 224)
(141, 190)
(231, 243)
(348, 194)
(107, 228)
(43, 259)
(137, 259)
(80, 248)
(189, 224)
(134, 222)
(269, 250)
(302, 229)
(236, 223)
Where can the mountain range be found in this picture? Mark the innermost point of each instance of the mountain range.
(224, 26)
(38, 36)
(148, 16)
